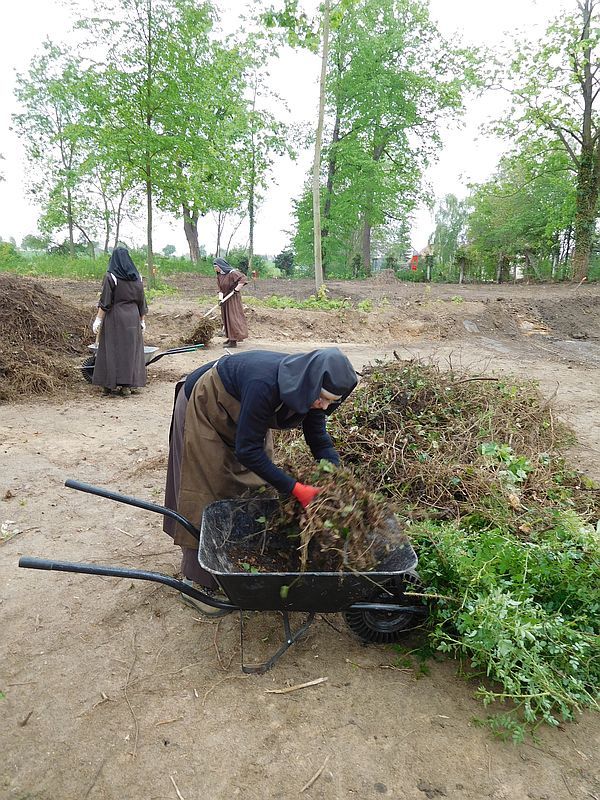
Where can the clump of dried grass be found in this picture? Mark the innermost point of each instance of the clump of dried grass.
(450, 445)
(202, 333)
(39, 335)
(345, 528)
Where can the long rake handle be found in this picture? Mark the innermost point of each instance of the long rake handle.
(220, 303)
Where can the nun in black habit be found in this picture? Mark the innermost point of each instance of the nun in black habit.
(120, 322)
(220, 443)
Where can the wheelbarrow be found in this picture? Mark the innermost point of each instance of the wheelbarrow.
(374, 604)
(150, 356)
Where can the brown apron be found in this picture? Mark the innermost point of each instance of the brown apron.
(209, 469)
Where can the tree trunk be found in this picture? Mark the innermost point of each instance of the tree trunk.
(316, 177)
(151, 270)
(149, 79)
(555, 255)
(190, 227)
(366, 248)
(587, 169)
(586, 211)
(499, 265)
(252, 186)
(220, 226)
(251, 213)
(70, 224)
(378, 151)
(531, 265)
(106, 222)
(461, 271)
(118, 218)
(331, 169)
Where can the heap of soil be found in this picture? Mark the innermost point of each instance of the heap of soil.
(39, 336)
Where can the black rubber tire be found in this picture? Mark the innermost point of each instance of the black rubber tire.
(382, 627)
(87, 368)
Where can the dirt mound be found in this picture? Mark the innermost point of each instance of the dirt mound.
(384, 276)
(573, 317)
(345, 325)
(39, 335)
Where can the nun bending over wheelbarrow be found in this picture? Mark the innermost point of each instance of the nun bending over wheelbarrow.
(120, 322)
(220, 443)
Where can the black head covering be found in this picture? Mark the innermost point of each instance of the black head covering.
(223, 265)
(122, 266)
(301, 378)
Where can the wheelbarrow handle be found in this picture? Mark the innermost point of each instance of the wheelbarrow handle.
(28, 562)
(188, 349)
(133, 501)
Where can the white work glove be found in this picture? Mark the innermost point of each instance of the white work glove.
(96, 325)
(143, 324)
(221, 296)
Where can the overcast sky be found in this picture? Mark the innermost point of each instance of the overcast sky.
(466, 155)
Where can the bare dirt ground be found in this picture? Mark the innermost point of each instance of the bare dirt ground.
(115, 689)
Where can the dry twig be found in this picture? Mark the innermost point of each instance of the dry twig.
(315, 776)
(135, 719)
(316, 682)
(179, 795)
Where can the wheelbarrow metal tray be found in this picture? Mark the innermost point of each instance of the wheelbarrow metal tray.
(228, 523)
(148, 351)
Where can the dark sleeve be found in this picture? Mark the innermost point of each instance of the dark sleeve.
(317, 438)
(257, 406)
(142, 304)
(107, 294)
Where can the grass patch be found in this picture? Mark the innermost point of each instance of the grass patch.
(162, 290)
(313, 303)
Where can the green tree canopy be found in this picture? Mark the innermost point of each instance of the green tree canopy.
(522, 213)
(555, 88)
(392, 80)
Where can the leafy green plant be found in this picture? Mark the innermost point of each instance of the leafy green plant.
(162, 290)
(526, 614)
(312, 303)
(515, 468)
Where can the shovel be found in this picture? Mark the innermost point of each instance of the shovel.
(220, 303)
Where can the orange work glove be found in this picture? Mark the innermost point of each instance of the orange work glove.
(304, 494)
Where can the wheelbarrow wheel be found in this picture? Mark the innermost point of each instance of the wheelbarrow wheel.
(386, 627)
(87, 368)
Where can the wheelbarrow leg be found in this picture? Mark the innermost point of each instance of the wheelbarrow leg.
(290, 638)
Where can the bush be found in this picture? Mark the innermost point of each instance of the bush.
(285, 262)
(10, 258)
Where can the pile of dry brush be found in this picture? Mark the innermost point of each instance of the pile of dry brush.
(39, 335)
(345, 528)
(454, 446)
(203, 332)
